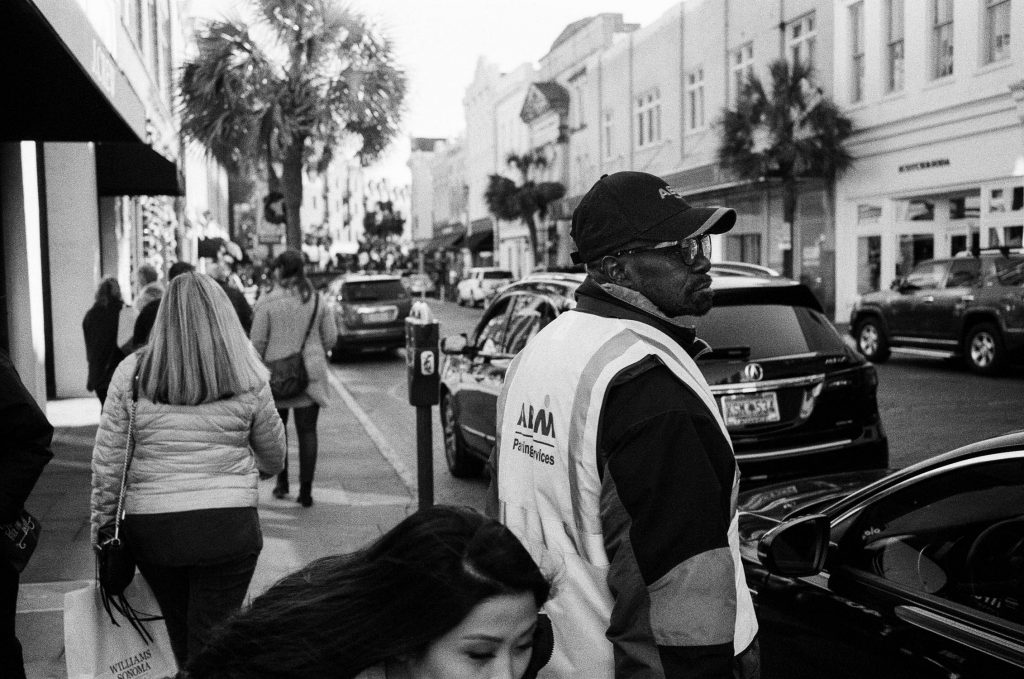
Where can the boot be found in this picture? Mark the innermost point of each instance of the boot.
(281, 487)
(305, 497)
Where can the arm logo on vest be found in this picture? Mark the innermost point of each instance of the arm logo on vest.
(534, 432)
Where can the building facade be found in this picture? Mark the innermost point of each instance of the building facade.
(88, 170)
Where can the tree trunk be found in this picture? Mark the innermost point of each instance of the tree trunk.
(291, 187)
(531, 227)
(790, 194)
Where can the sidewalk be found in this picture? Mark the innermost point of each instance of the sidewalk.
(358, 495)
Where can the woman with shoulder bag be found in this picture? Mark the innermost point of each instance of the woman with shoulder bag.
(290, 323)
(204, 431)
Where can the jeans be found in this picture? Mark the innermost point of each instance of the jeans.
(11, 664)
(305, 426)
(195, 599)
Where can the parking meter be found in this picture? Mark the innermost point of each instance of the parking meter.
(421, 354)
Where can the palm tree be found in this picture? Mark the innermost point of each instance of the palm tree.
(325, 76)
(526, 201)
(790, 132)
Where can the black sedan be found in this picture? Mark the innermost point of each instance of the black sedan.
(914, 573)
(795, 398)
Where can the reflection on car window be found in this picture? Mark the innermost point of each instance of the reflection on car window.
(958, 536)
(492, 334)
(963, 273)
(927, 275)
(528, 316)
(1010, 271)
(770, 330)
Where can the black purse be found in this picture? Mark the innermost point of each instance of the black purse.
(288, 376)
(18, 540)
(115, 564)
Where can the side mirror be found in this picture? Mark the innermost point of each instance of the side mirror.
(795, 548)
(454, 344)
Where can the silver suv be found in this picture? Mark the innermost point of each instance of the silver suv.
(480, 284)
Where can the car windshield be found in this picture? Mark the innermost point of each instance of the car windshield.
(372, 291)
(497, 274)
(769, 331)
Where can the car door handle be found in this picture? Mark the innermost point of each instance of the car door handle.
(928, 299)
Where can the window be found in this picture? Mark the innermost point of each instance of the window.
(741, 67)
(965, 207)
(869, 264)
(529, 314)
(743, 247)
(800, 38)
(894, 43)
(927, 276)
(868, 214)
(913, 249)
(492, 336)
(695, 97)
(857, 51)
(648, 118)
(579, 83)
(942, 38)
(950, 536)
(963, 273)
(607, 134)
(997, 30)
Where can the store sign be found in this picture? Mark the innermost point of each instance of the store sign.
(102, 67)
(924, 165)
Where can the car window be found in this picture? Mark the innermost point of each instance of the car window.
(497, 274)
(529, 314)
(372, 291)
(1009, 271)
(958, 536)
(769, 330)
(963, 273)
(927, 275)
(491, 338)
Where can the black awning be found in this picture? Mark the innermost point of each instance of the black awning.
(60, 81)
(479, 241)
(135, 170)
(445, 241)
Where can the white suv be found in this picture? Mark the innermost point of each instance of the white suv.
(480, 284)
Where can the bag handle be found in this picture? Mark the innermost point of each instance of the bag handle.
(129, 453)
(309, 328)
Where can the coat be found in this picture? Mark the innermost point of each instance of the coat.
(279, 323)
(207, 456)
(100, 329)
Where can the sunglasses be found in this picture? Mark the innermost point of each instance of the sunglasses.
(689, 248)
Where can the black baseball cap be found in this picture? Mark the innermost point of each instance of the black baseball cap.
(627, 206)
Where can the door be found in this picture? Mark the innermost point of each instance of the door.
(480, 382)
(911, 310)
(943, 324)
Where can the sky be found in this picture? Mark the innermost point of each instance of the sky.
(438, 43)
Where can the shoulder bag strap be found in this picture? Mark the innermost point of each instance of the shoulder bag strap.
(316, 307)
(129, 453)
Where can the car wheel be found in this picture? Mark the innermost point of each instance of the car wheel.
(461, 462)
(871, 340)
(983, 349)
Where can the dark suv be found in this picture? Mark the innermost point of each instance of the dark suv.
(963, 306)
(369, 311)
(795, 398)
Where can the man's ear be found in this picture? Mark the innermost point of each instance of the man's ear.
(614, 270)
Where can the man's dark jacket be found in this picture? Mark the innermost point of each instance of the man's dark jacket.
(26, 447)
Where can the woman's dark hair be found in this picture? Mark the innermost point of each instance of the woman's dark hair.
(293, 273)
(109, 292)
(342, 614)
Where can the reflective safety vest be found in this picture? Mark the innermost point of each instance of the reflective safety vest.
(549, 488)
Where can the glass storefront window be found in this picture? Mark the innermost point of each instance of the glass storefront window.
(914, 248)
(743, 247)
(965, 207)
(869, 264)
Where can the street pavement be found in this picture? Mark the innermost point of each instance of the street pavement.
(361, 490)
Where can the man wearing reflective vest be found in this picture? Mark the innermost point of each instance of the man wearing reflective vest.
(613, 465)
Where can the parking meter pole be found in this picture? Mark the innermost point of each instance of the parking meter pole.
(421, 354)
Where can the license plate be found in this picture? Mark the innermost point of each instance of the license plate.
(741, 409)
(379, 315)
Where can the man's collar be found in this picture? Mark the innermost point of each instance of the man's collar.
(632, 305)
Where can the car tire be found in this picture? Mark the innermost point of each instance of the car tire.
(871, 340)
(461, 463)
(983, 349)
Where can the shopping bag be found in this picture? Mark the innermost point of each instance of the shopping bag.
(96, 648)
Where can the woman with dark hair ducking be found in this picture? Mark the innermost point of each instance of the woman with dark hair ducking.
(446, 594)
(286, 320)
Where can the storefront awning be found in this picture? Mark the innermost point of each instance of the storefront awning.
(445, 241)
(124, 169)
(60, 81)
(479, 241)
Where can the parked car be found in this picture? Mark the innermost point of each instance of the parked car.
(480, 284)
(370, 311)
(914, 573)
(795, 397)
(727, 268)
(419, 284)
(972, 307)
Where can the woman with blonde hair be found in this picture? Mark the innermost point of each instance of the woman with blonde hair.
(286, 320)
(205, 431)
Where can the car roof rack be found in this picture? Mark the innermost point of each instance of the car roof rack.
(1004, 250)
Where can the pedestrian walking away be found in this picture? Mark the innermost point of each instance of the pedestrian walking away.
(612, 463)
(24, 454)
(100, 327)
(286, 320)
(205, 430)
(446, 594)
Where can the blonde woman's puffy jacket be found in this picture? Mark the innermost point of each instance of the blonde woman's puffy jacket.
(207, 456)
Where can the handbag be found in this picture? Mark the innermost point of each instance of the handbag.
(288, 376)
(115, 564)
(18, 539)
(94, 648)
